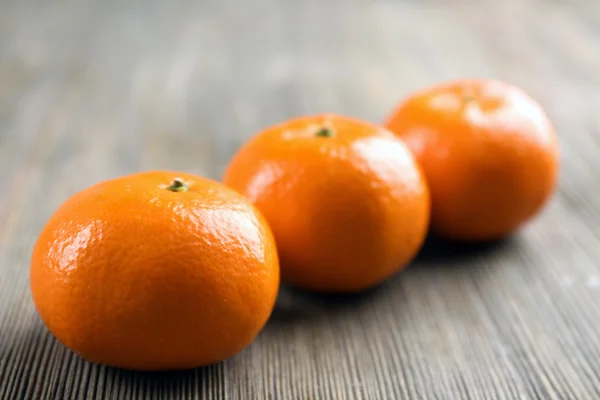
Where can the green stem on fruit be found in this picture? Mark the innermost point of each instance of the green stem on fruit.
(325, 132)
(178, 185)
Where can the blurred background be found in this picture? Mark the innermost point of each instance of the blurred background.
(182, 84)
(93, 89)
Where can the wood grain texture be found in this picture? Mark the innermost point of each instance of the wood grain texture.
(95, 89)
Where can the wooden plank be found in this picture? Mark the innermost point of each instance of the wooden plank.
(92, 90)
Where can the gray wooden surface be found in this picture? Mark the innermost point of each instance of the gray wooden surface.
(94, 89)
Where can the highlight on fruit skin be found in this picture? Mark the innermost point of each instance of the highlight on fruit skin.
(346, 200)
(488, 150)
(158, 270)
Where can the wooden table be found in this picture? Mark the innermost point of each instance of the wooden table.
(95, 89)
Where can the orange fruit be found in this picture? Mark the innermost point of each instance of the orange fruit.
(489, 153)
(346, 201)
(154, 271)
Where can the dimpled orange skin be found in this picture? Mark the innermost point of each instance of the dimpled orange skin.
(348, 205)
(130, 274)
(488, 151)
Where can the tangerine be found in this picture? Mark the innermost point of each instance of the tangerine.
(155, 270)
(346, 201)
(488, 150)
